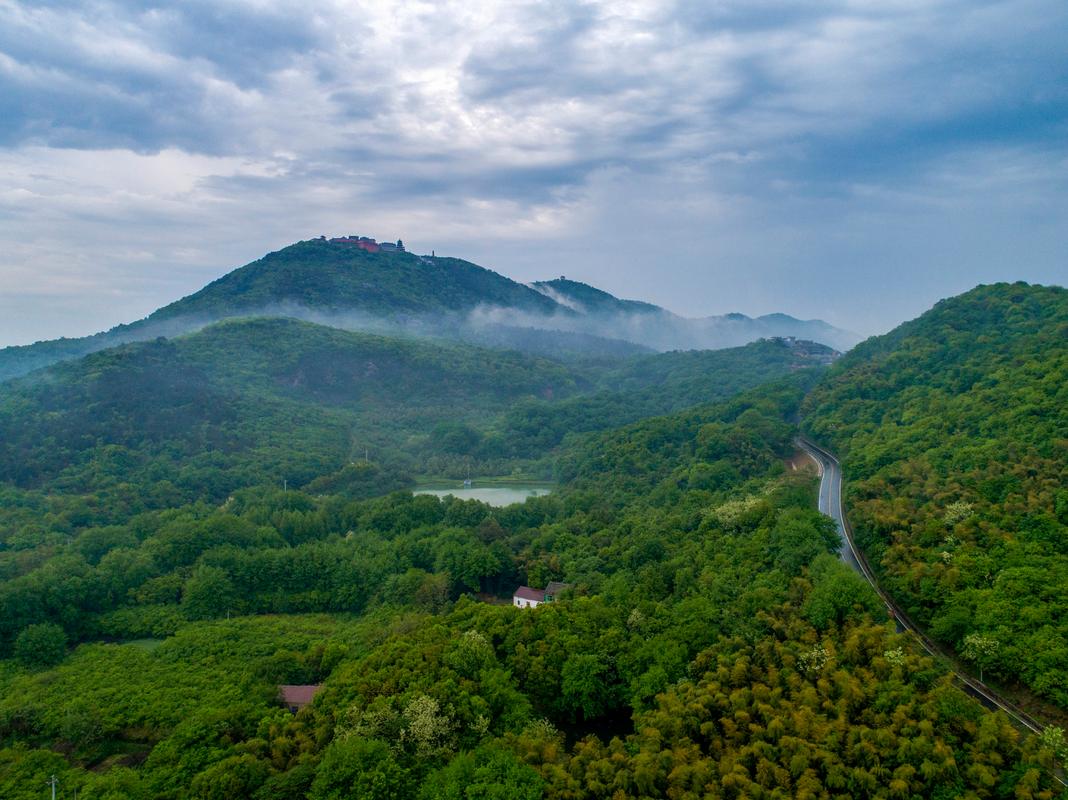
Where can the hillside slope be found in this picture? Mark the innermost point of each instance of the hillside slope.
(329, 277)
(663, 383)
(249, 401)
(953, 431)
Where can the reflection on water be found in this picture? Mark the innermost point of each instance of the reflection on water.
(493, 495)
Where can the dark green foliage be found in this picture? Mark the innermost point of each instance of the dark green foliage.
(332, 277)
(658, 384)
(952, 430)
(838, 594)
(41, 645)
(281, 402)
(160, 424)
(208, 594)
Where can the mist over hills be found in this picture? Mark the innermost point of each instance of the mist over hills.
(340, 285)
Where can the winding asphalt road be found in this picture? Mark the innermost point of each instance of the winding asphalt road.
(830, 503)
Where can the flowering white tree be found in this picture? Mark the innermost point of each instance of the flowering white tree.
(980, 650)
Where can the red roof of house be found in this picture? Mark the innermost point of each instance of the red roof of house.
(298, 695)
(526, 593)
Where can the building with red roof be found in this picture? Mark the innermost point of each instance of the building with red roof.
(295, 697)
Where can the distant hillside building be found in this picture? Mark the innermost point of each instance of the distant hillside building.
(362, 242)
(527, 597)
(369, 244)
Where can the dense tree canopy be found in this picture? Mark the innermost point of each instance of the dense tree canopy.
(712, 646)
(954, 435)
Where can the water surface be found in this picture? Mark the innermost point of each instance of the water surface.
(493, 495)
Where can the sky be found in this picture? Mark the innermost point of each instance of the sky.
(853, 161)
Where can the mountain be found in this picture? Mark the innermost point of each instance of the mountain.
(339, 284)
(953, 431)
(335, 278)
(663, 383)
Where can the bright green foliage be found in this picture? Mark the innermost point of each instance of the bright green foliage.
(488, 773)
(358, 767)
(838, 593)
(952, 430)
(1054, 739)
(41, 645)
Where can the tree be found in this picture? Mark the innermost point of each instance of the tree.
(42, 645)
(980, 650)
(427, 729)
(489, 773)
(207, 594)
(584, 685)
(1054, 740)
(837, 593)
(357, 767)
(237, 776)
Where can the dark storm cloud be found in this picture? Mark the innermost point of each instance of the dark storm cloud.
(137, 76)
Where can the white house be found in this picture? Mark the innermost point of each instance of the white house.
(525, 597)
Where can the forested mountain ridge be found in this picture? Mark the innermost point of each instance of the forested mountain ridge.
(586, 299)
(330, 277)
(344, 286)
(953, 433)
(313, 277)
(248, 402)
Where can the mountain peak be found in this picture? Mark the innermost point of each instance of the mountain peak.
(588, 299)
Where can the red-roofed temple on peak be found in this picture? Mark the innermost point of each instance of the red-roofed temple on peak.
(369, 244)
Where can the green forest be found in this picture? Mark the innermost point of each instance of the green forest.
(954, 437)
(187, 524)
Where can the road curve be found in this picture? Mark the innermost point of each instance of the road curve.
(830, 503)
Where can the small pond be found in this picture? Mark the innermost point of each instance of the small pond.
(493, 495)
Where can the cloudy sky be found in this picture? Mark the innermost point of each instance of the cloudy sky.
(851, 160)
